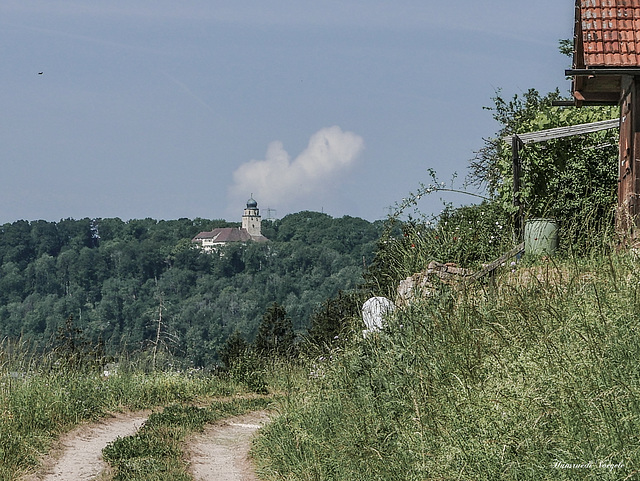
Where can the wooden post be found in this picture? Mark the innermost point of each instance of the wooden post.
(516, 146)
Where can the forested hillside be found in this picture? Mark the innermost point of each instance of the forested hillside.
(117, 279)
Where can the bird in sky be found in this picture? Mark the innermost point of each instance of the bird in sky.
(40, 73)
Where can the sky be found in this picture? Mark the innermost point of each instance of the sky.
(174, 109)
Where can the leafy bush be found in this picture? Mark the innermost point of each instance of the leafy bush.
(234, 349)
(275, 336)
(331, 322)
(569, 179)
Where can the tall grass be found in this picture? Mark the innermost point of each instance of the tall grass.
(39, 399)
(535, 378)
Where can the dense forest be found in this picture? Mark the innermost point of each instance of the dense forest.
(129, 285)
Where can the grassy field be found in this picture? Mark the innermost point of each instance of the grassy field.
(535, 376)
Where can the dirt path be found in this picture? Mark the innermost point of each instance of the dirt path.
(78, 454)
(221, 452)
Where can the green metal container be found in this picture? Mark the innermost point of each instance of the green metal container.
(540, 237)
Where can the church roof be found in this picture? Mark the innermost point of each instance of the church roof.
(229, 234)
(225, 234)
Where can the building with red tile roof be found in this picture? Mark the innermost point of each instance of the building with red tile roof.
(249, 232)
(606, 48)
(609, 33)
(606, 71)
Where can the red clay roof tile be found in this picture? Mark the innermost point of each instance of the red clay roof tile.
(610, 31)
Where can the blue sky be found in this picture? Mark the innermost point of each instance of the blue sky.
(170, 109)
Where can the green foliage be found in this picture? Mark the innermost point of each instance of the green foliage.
(472, 234)
(275, 334)
(333, 320)
(566, 47)
(251, 371)
(234, 349)
(467, 236)
(568, 178)
(72, 350)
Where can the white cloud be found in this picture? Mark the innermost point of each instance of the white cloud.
(279, 181)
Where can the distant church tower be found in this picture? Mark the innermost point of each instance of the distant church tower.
(251, 220)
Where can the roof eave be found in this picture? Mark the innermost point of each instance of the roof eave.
(599, 85)
(602, 71)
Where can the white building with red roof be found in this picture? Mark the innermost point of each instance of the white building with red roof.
(251, 231)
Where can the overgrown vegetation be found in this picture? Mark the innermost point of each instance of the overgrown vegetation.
(529, 375)
(468, 236)
(571, 179)
(511, 382)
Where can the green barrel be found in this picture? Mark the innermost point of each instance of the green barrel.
(540, 237)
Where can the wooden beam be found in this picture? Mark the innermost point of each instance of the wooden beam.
(585, 97)
(605, 71)
(492, 266)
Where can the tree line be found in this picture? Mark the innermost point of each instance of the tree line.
(143, 286)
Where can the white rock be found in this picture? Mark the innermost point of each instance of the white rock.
(373, 312)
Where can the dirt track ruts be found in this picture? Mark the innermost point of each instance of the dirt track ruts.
(220, 453)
